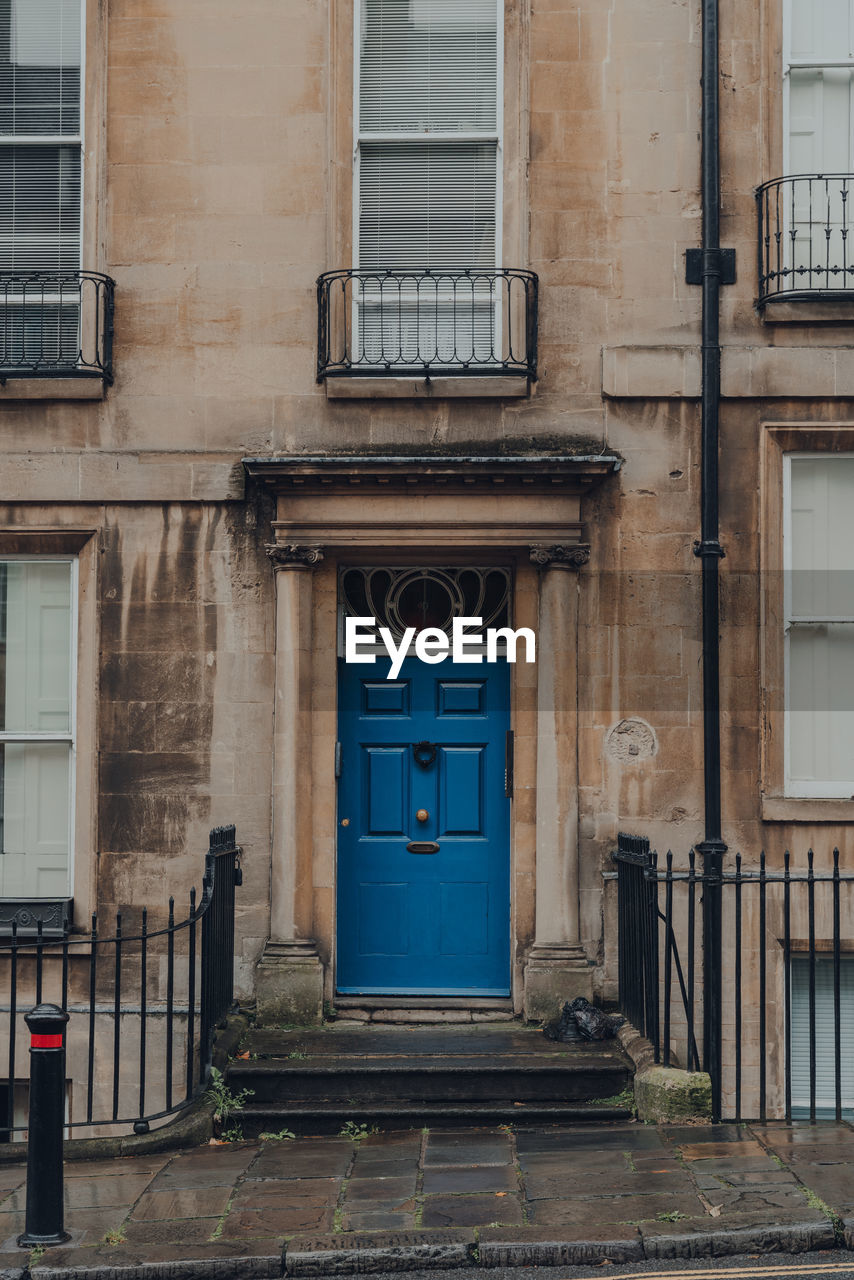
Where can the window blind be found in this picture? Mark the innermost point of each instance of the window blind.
(428, 65)
(800, 1034)
(40, 179)
(40, 89)
(427, 205)
(39, 208)
(428, 199)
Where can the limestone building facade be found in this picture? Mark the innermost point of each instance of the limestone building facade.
(324, 308)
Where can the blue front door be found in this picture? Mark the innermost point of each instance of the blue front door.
(434, 921)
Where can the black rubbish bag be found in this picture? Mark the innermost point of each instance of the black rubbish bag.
(593, 1023)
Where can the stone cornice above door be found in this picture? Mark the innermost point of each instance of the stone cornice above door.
(439, 501)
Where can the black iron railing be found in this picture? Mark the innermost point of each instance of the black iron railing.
(804, 246)
(783, 928)
(427, 322)
(144, 1001)
(56, 324)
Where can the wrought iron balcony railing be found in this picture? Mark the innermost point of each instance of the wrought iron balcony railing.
(430, 322)
(804, 246)
(56, 324)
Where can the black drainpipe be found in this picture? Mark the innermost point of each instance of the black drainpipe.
(711, 267)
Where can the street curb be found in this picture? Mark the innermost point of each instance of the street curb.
(447, 1250)
(797, 1237)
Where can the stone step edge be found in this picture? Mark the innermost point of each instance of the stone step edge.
(320, 1110)
(347, 1066)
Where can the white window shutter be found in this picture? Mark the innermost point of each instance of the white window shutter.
(35, 776)
(820, 709)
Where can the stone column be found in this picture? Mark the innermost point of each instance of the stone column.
(557, 968)
(289, 978)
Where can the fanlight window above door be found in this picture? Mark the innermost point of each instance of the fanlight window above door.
(425, 597)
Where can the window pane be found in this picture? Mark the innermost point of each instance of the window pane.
(34, 818)
(821, 555)
(40, 67)
(35, 647)
(821, 704)
(821, 29)
(428, 65)
(39, 208)
(427, 205)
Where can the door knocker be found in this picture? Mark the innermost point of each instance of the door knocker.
(425, 753)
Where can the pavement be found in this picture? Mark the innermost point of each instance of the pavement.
(440, 1199)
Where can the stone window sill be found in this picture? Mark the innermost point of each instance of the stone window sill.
(805, 809)
(52, 388)
(427, 388)
(807, 310)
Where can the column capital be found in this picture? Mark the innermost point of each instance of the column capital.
(290, 555)
(563, 555)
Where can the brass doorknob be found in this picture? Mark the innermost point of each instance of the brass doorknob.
(422, 815)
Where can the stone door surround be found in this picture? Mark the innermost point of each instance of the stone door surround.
(356, 508)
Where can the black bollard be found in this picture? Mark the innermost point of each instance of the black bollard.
(44, 1220)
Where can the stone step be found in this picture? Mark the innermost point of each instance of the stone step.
(431, 1011)
(567, 1079)
(332, 1117)
(315, 1079)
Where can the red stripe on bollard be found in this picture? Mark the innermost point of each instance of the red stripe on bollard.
(45, 1042)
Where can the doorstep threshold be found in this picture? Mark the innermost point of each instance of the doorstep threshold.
(498, 1003)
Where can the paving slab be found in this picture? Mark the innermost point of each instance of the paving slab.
(378, 1220)
(610, 1209)
(495, 1177)
(324, 1158)
(379, 1192)
(471, 1211)
(181, 1202)
(467, 1149)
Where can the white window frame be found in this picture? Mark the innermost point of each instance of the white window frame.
(441, 135)
(798, 788)
(71, 735)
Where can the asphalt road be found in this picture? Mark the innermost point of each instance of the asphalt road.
(772, 1266)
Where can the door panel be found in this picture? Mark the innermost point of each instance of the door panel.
(410, 922)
